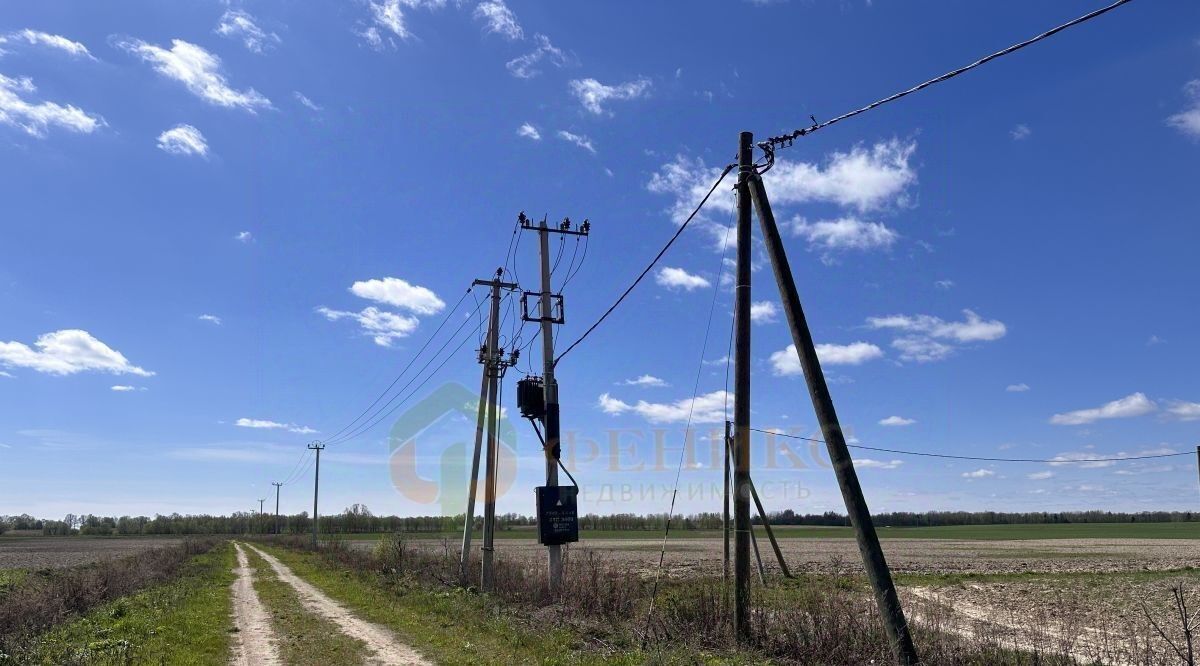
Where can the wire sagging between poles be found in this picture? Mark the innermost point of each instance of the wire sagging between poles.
(923, 454)
(786, 139)
(653, 262)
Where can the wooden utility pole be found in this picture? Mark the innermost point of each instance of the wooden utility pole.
(493, 365)
(550, 312)
(741, 398)
(318, 447)
(277, 485)
(856, 505)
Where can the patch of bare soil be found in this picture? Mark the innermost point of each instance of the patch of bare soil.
(255, 642)
(380, 642)
(61, 552)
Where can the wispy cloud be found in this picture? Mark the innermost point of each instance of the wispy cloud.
(896, 421)
(928, 338)
(183, 140)
(1135, 404)
(240, 25)
(869, 463)
(593, 95)
(578, 140)
(243, 236)
(499, 19)
(266, 424)
(528, 66)
(645, 380)
(1017, 388)
(212, 319)
(1184, 411)
(763, 312)
(1020, 132)
(678, 278)
(1188, 120)
(978, 474)
(785, 362)
(529, 132)
(67, 352)
(707, 408)
(383, 327)
(36, 118)
(48, 40)
(306, 102)
(198, 70)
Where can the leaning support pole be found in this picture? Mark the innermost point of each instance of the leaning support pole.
(762, 571)
(487, 579)
(469, 520)
(741, 399)
(762, 514)
(839, 455)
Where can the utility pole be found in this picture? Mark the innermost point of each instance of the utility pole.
(277, 485)
(741, 398)
(856, 506)
(725, 522)
(491, 356)
(548, 316)
(260, 511)
(318, 447)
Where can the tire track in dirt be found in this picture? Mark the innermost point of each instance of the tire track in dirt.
(255, 643)
(379, 640)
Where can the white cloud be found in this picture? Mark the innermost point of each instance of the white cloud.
(243, 236)
(862, 179)
(199, 71)
(577, 139)
(57, 42)
(306, 102)
(1188, 120)
(1184, 411)
(845, 233)
(237, 24)
(212, 319)
(36, 118)
(67, 352)
(1017, 388)
(868, 463)
(529, 132)
(389, 16)
(927, 334)
(645, 380)
(1020, 132)
(1135, 404)
(896, 421)
(785, 362)
(122, 388)
(593, 95)
(382, 326)
(500, 19)
(265, 424)
(399, 293)
(708, 408)
(1039, 476)
(183, 140)
(677, 278)
(526, 66)
(1072, 458)
(763, 312)
(944, 284)
(978, 474)
(9, 375)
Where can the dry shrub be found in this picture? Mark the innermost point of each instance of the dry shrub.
(48, 598)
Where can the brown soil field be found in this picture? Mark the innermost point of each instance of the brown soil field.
(20, 552)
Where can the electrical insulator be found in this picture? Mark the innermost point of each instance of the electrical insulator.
(531, 397)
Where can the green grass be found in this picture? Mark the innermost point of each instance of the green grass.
(455, 626)
(185, 621)
(967, 532)
(305, 639)
(10, 578)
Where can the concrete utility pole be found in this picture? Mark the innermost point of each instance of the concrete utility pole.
(277, 485)
(318, 447)
(548, 317)
(741, 398)
(260, 510)
(831, 429)
(491, 356)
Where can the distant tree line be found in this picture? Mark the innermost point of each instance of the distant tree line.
(358, 519)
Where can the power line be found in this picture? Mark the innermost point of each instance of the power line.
(1056, 461)
(725, 172)
(786, 139)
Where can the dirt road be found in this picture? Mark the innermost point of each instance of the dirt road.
(380, 641)
(255, 641)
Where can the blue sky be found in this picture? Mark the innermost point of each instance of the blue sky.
(229, 225)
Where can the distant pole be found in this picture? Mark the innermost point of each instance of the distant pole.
(260, 511)
(741, 398)
(318, 447)
(1198, 459)
(277, 485)
(831, 429)
(489, 488)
